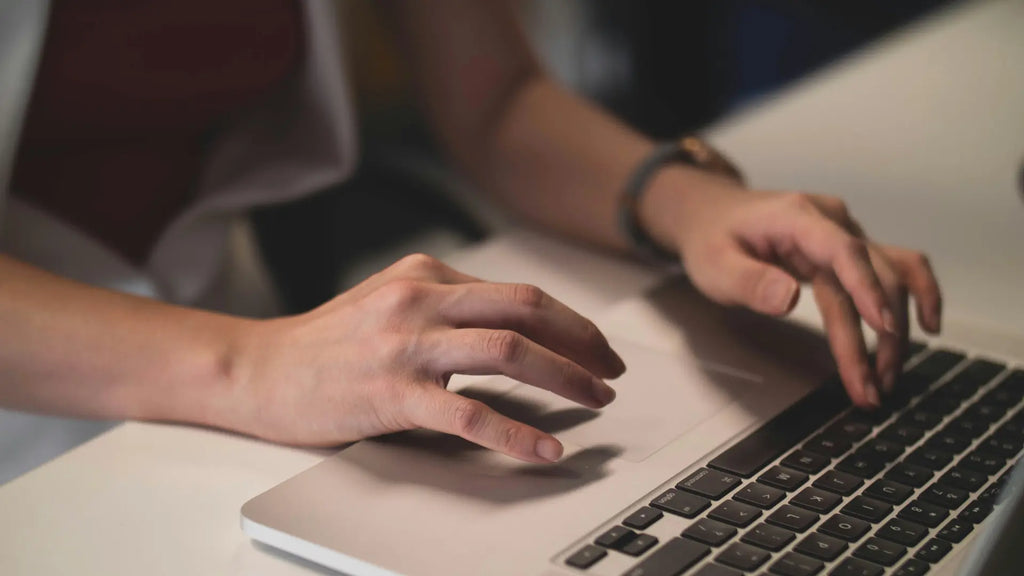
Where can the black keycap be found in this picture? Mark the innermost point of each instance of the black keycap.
(615, 537)
(955, 530)
(924, 513)
(710, 532)
(935, 404)
(637, 546)
(912, 567)
(671, 559)
(1003, 445)
(852, 428)
(781, 433)
(759, 495)
(909, 474)
(936, 364)
(642, 518)
(880, 551)
(586, 557)
(964, 478)
(838, 482)
(680, 503)
(793, 564)
(967, 427)
(845, 528)
(859, 465)
(933, 550)
(902, 532)
(921, 419)
(945, 496)
(793, 518)
(975, 375)
(889, 491)
(985, 412)
(743, 556)
(984, 462)
(821, 546)
(948, 442)
(816, 500)
(735, 513)
(857, 567)
(716, 570)
(829, 446)
(709, 483)
(867, 509)
(929, 458)
(768, 537)
(881, 450)
(783, 478)
(976, 511)
(902, 433)
(805, 461)
(1014, 382)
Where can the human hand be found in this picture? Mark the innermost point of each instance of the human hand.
(753, 248)
(377, 359)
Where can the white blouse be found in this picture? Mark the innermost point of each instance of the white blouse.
(299, 140)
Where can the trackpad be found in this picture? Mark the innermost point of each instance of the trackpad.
(660, 397)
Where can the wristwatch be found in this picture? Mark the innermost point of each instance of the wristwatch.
(689, 150)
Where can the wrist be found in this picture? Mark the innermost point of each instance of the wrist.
(674, 198)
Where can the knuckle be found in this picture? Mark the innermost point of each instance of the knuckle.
(509, 438)
(467, 417)
(401, 294)
(528, 295)
(420, 265)
(592, 336)
(799, 201)
(506, 346)
(856, 247)
(920, 260)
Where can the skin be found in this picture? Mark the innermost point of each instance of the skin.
(377, 358)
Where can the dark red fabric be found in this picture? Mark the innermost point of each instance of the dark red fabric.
(127, 93)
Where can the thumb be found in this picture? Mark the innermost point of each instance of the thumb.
(735, 277)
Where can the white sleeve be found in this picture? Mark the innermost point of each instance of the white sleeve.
(22, 29)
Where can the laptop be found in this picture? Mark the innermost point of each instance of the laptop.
(730, 448)
(693, 470)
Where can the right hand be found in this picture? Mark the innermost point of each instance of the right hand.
(377, 359)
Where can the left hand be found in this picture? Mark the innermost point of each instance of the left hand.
(753, 248)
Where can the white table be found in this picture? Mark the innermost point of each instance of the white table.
(879, 128)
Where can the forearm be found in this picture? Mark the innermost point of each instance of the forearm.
(563, 163)
(68, 348)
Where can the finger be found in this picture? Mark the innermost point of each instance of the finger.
(481, 351)
(531, 312)
(889, 351)
(835, 208)
(438, 409)
(847, 342)
(916, 271)
(832, 248)
(736, 277)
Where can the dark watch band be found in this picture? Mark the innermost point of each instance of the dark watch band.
(689, 150)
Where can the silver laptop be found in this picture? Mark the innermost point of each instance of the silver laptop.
(693, 470)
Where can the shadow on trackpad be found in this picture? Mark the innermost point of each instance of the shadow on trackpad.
(659, 398)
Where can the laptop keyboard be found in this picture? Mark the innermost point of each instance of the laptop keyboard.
(824, 488)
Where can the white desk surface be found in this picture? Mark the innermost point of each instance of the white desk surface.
(880, 128)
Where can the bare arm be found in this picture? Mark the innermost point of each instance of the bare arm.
(75, 349)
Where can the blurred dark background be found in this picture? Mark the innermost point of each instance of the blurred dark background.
(666, 67)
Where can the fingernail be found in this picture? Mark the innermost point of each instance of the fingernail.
(871, 392)
(549, 449)
(888, 322)
(603, 393)
(778, 294)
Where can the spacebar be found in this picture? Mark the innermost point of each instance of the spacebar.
(671, 559)
(781, 433)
